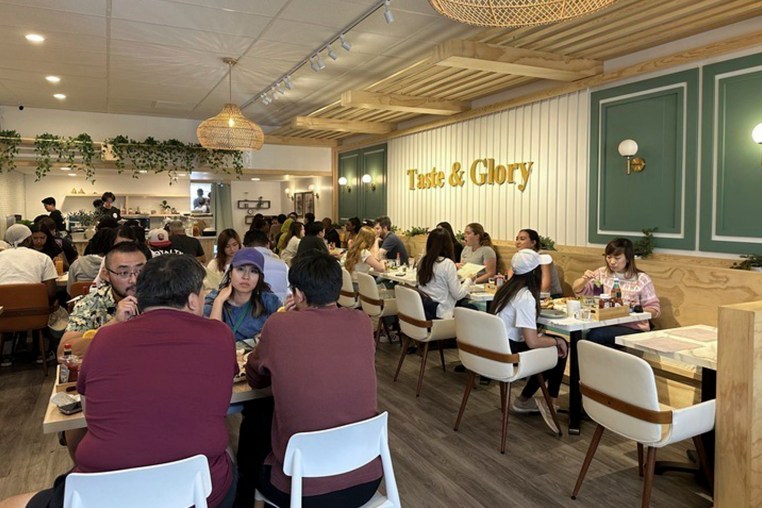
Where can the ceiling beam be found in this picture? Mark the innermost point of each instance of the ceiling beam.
(517, 61)
(400, 102)
(295, 141)
(331, 124)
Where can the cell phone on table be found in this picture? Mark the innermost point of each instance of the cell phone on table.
(70, 409)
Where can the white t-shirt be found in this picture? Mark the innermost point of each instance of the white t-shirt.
(362, 265)
(520, 312)
(290, 251)
(25, 266)
(445, 288)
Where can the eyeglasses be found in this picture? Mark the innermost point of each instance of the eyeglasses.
(126, 274)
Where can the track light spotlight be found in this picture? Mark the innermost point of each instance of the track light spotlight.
(274, 93)
(281, 89)
(388, 15)
(331, 53)
(320, 62)
(316, 63)
(288, 82)
(345, 43)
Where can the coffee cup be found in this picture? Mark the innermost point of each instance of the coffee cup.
(573, 308)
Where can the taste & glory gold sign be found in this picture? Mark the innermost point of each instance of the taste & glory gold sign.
(481, 172)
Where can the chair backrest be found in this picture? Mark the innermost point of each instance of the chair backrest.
(369, 296)
(79, 288)
(348, 297)
(605, 371)
(177, 484)
(25, 307)
(413, 322)
(483, 345)
(339, 450)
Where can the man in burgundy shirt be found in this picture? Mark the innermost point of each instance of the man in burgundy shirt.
(320, 379)
(158, 386)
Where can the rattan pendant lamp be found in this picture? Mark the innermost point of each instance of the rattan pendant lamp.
(230, 130)
(515, 13)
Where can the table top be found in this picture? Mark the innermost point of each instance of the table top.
(693, 345)
(54, 421)
(62, 280)
(575, 325)
(409, 277)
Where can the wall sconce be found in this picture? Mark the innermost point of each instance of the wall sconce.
(628, 148)
(368, 181)
(288, 193)
(756, 135)
(343, 184)
(311, 188)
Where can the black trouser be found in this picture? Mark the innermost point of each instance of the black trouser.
(553, 377)
(350, 497)
(253, 446)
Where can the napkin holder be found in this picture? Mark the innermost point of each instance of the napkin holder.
(597, 314)
(70, 388)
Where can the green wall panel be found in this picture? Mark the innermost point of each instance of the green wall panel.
(362, 201)
(375, 166)
(731, 173)
(661, 116)
(349, 167)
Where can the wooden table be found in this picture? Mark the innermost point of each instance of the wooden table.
(574, 328)
(62, 280)
(409, 278)
(54, 421)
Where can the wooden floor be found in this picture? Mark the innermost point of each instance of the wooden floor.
(434, 465)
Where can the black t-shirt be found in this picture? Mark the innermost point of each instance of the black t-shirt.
(310, 242)
(187, 244)
(332, 236)
(57, 216)
(111, 212)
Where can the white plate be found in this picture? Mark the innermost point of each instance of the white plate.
(552, 313)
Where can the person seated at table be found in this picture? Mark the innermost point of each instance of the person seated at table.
(517, 303)
(457, 247)
(281, 237)
(438, 277)
(352, 227)
(50, 206)
(331, 235)
(362, 255)
(480, 251)
(314, 235)
(184, 243)
(275, 270)
(88, 267)
(291, 242)
(637, 290)
(160, 244)
(228, 243)
(300, 348)
(112, 303)
(43, 241)
(551, 284)
(391, 245)
(49, 225)
(157, 388)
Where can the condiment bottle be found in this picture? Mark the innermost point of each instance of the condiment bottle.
(616, 294)
(69, 366)
(604, 302)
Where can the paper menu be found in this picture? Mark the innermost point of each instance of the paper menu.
(699, 334)
(469, 269)
(666, 345)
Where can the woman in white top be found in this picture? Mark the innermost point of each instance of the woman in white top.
(480, 251)
(530, 239)
(228, 243)
(362, 255)
(438, 276)
(517, 303)
(293, 237)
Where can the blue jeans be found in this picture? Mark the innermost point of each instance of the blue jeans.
(606, 335)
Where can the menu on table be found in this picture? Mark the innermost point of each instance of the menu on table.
(699, 334)
(666, 345)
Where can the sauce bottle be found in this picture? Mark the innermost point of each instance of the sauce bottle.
(616, 294)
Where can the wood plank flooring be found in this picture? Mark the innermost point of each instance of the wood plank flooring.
(434, 465)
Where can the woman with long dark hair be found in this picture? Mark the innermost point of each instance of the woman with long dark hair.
(637, 289)
(228, 243)
(480, 251)
(530, 239)
(517, 303)
(438, 276)
(457, 247)
(43, 241)
(291, 242)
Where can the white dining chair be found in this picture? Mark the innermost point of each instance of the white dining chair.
(375, 305)
(414, 326)
(484, 349)
(337, 451)
(178, 484)
(619, 393)
(348, 297)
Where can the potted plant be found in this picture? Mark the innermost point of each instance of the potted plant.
(547, 243)
(751, 262)
(645, 246)
(86, 220)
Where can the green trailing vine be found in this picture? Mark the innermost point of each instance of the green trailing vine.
(9, 148)
(44, 146)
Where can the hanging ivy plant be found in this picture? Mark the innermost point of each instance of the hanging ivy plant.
(86, 151)
(9, 148)
(44, 145)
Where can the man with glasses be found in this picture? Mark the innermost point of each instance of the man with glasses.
(113, 303)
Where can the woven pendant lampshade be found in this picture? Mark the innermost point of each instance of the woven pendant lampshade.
(230, 130)
(515, 13)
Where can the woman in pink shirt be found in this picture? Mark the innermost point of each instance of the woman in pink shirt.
(637, 289)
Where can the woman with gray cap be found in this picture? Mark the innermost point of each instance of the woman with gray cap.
(517, 303)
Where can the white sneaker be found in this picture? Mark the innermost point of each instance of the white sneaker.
(524, 406)
(6, 362)
(542, 406)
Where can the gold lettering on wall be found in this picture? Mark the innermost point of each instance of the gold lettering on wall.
(481, 172)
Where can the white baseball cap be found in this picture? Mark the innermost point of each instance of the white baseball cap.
(158, 238)
(526, 260)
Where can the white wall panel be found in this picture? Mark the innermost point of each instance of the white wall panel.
(553, 134)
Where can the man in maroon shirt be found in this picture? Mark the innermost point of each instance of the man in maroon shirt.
(320, 379)
(157, 387)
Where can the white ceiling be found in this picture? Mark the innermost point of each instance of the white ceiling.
(163, 57)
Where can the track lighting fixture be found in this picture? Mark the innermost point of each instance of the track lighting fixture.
(345, 43)
(288, 82)
(331, 53)
(388, 15)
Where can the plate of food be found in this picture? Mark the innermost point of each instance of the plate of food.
(552, 313)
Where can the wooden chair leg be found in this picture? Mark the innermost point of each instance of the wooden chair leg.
(549, 401)
(403, 353)
(441, 354)
(423, 368)
(43, 352)
(649, 480)
(387, 331)
(704, 462)
(640, 460)
(588, 459)
(378, 330)
(466, 393)
(505, 395)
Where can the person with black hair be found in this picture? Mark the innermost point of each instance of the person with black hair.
(88, 267)
(50, 206)
(457, 247)
(107, 208)
(277, 223)
(352, 227)
(551, 284)
(275, 270)
(391, 245)
(313, 238)
(49, 225)
(517, 304)
(438, 277)
(331, 235)
(43, 241)
(292, 344)
(309, 218)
